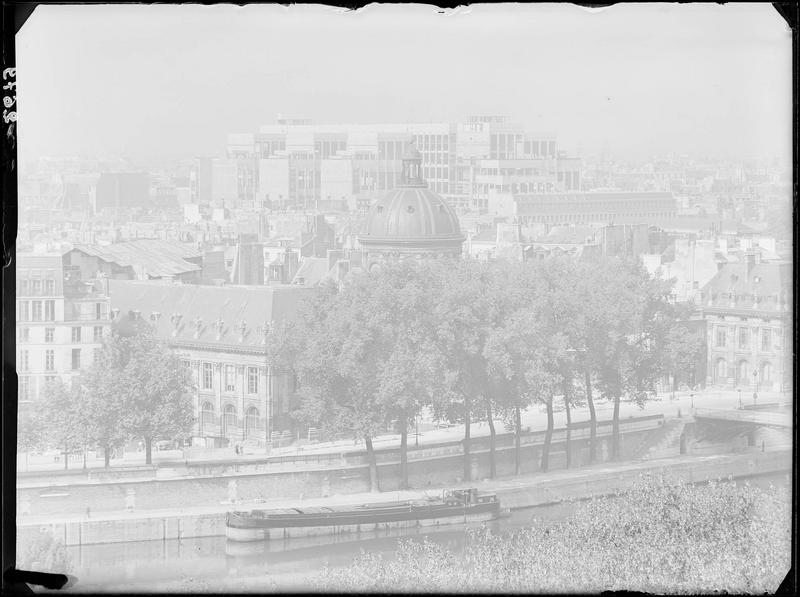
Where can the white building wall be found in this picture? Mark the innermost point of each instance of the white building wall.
(336, 179)
(273, 178)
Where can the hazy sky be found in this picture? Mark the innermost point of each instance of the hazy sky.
(163, 81)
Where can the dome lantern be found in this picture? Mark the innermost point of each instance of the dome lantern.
(411, 173)
(411, 220)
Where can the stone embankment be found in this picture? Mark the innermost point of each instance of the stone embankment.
(518, 492)
(428, 466)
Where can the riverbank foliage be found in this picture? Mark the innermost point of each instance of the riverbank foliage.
(657, 537)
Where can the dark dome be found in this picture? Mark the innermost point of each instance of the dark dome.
(412, 218)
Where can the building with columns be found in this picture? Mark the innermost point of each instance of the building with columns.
(220, 333)
(748, 311)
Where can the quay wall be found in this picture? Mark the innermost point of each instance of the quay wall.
(429, 467)
(533, 492)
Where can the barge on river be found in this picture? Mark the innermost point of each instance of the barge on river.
(454, 507)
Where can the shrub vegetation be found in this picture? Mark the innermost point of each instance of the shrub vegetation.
(658, 537)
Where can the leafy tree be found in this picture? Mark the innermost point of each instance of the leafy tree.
(156, 390)
(410, 372)
(625, 342)
(462, 312)
(683, 349)
(65, 418)
(338, 365)
(44, 553)
(30, 428)
(102, 395)
(523, 353)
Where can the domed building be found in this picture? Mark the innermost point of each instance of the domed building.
(410, 221)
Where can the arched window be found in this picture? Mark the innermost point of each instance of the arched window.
(251, 422)
(741, 372)
(207, 414)
(229, 419)
(721, 369)
(766, 372)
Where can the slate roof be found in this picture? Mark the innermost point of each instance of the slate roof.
(569, 235)
(158, 257)
(231, 305)
(313, 270)
(773, 279)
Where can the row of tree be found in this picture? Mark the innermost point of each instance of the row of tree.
(136, 388)
(474, 340)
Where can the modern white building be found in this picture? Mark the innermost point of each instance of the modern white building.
(294, 163)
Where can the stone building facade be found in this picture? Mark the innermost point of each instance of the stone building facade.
(748, 311)
(220, 333)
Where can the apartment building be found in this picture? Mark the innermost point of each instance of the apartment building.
(61, 320)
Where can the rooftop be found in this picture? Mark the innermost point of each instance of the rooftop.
(223, 316)
(159, 258)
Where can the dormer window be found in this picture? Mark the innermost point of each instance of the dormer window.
(410, 209)
(380, 209)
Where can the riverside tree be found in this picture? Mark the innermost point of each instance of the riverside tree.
(462, 312)
(65, 418)
(627, 337)
(156, 389)
(411, 373)
(100, 391)
(338, 365)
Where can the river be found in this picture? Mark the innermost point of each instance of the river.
(199, 563)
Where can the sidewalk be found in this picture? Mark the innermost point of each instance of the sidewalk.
(534, 419)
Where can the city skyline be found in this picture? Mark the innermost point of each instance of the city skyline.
(110, 63)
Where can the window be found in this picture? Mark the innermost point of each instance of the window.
(251, 422)
(76, 358)
(36, 311)
(36, 287)
(744, 337)
(24, 335)
(208, 376)
(721, 333)
(23, 360)
(207, 414)
(48, 334)
(741, 373)
(76, 334)
(98, 310)
(229, 419)
(50, 287)
(24, 388)
(252, 380)
(98, 333)
(230, 378)
(24, 311)
(766, 372)
(49, 310)
(49, 360)
(766, 339)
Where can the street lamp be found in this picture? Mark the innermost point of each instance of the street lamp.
(755, 383)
